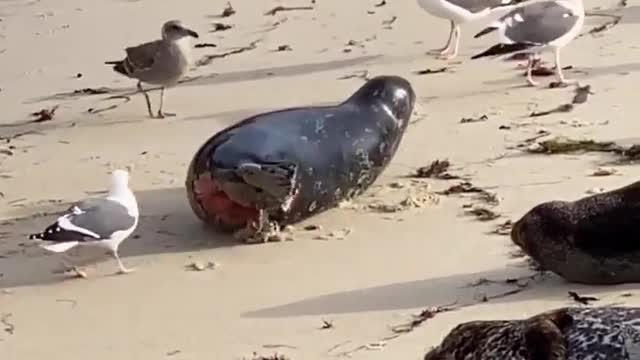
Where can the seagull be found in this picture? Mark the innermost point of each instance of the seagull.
(459, 12)
(101, 222)
(162, 62)
(535, 28)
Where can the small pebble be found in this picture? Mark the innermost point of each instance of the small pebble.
(595, 191)
(604, 172)
(198, 266)
(312, 227)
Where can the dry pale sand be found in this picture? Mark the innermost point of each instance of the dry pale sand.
(274, 297)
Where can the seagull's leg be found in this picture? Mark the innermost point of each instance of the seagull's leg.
(445, 49)
(68, 266)
(146, 97)
(561, 78)
(456, 44)
(530, 64)
(122, 268)
(161, 114)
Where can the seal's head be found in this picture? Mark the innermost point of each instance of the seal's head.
(393, 92)
(545, 232)
(174, 30)
(538, 337)
(466, 340)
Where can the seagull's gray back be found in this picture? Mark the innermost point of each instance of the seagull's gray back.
(103, 217)
(540, 22)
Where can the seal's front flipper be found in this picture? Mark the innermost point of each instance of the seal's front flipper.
(276, 179)
(259, 231)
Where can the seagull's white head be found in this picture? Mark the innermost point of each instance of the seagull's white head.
(174, 30)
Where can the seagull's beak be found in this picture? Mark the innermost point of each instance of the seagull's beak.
(192, 33)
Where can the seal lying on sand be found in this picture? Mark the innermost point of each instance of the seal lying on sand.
(594, 240)
(611, 333)
(281, 167)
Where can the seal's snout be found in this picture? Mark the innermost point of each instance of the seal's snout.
(393, 91)
(403, 101)
(516, 230)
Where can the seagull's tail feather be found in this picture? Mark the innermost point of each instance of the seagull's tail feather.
(502, 49)
(118, 66)
(485, 31)
(60, 247)
(38, 236)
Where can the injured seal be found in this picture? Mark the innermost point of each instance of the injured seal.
(280, 167)
(593, 240)
(570, 333)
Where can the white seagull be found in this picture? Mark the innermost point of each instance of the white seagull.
(459, 12)
(102, 222)
(535, 28)
(162, 62)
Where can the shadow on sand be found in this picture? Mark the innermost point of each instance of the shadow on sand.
(167, 225)
(230, 77)
(432, 292)
(113, 97)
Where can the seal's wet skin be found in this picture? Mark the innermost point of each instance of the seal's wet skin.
(281, 167)
(611, 333)
(593, 240)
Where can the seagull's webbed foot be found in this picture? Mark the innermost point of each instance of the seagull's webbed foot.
(162, 114)
(445, 49)
(125, 270)
(69, 268)
(121, 268)
(562, 83)
(449, 56)
(439, 51)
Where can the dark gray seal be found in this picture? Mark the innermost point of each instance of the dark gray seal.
(280, 167)
(611, 333)
(594, 240)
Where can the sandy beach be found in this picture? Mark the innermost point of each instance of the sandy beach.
(341, 289)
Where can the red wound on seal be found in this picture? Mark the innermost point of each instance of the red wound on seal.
(216, 204)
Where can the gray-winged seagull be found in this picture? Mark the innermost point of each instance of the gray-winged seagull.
(102, 222)
(459, 12)
(535, 28)
(162, 62)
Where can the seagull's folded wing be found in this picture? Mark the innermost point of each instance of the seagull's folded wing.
(539, 23)
(142, 57)
(97, 218)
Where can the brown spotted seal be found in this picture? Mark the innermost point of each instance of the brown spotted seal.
(571, 333)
